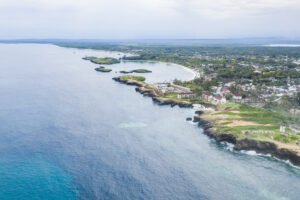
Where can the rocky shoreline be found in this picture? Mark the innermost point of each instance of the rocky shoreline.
(145, 90)
(247, 144)
(263, 147)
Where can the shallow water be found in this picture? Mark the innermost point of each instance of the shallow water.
(69, 132)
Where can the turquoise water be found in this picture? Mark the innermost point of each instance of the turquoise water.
(69, 132)
(34, 179)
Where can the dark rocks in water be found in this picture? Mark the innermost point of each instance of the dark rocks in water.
(129, 82)
(199, 112)
(146, 92)
(136, 71)
(125, 72)
(196, 119)
(141, 71)
(162, 101)
(102, 69)
(268, 148)
(189, 119)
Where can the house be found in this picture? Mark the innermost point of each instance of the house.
(225, 90)
(218, 100)
(214, 88)
(206, 96)
(237, 98)
(247, 100)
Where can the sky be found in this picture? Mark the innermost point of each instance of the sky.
(149, 19)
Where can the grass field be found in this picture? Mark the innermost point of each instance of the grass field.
(235, 118)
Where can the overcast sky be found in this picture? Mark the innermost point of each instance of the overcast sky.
(145, 19)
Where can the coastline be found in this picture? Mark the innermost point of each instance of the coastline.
(194, 72)
(278, 151)
(210, 129)
(247, 144)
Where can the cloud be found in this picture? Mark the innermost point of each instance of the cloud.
(148, 18)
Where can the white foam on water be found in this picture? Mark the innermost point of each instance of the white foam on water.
(230, 147)
(132, 125)
(254, 153)
(192, 123)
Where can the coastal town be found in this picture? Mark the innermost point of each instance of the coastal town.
(249, 99)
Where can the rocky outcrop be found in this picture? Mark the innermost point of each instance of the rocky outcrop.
(165, 101)
(263, 147)
(268, 148)
(146, 91)
(211, 132)
(149, 92)
(102, 69)
(129, 82)
(199, 112)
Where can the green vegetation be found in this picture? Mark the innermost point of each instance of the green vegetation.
(235, 118)
(107, 61)
(101, 69)
(173, 96)
(268, 76)
(132, 77)
(136, 71)
(141, 71)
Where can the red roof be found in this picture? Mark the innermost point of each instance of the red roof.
(219, 97)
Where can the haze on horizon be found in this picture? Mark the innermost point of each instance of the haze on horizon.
(138, 19)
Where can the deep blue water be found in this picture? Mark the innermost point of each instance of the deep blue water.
(69, 132)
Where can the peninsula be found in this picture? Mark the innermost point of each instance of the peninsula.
(101, 61)
(246, 127)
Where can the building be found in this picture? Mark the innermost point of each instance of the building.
(248, 100)
(237, 98)
(282, 129)
(163, 88)
(218, 100)
(206, 96)
(186, 95)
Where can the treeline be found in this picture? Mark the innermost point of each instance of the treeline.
(279, 76)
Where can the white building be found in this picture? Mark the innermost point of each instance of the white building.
(185, 95)
(237, 97)
(217, 100)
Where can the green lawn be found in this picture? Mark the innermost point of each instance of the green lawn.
(267, 120)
